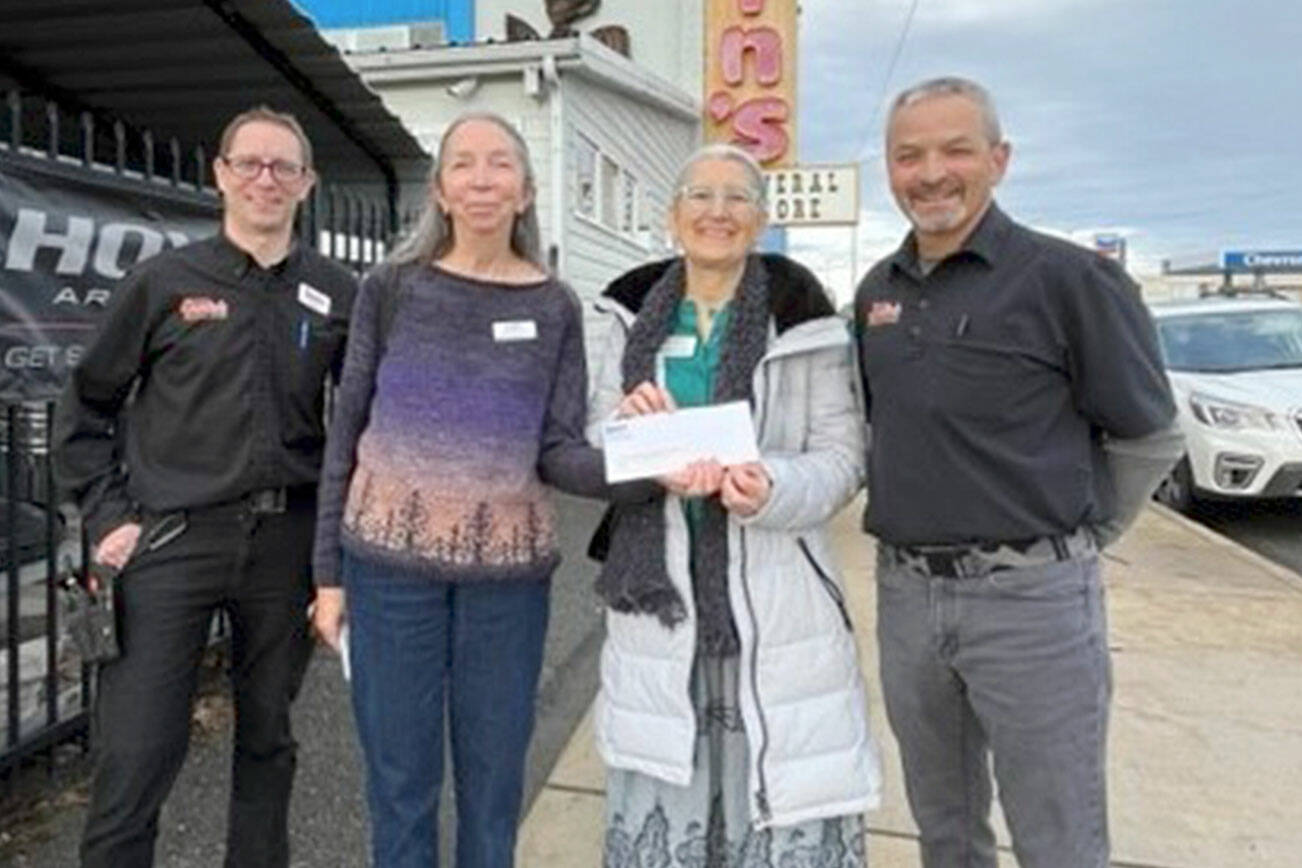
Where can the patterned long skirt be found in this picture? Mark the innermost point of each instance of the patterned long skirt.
(654, 824)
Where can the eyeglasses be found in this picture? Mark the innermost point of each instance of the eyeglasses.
(701, 198)
(248, 168)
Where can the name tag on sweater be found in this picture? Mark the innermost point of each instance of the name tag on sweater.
(505, 331)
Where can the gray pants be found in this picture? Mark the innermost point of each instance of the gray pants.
(1011, 665)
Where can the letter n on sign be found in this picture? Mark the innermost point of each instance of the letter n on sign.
(750, 77)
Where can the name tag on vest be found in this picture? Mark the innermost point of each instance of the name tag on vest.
(679, 347)
(505, 331)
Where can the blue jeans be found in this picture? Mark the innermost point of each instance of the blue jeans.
(409, 636)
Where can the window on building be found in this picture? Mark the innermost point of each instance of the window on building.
(585, 178)
(609, 192)
(628, 211)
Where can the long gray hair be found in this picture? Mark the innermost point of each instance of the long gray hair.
(432, 236)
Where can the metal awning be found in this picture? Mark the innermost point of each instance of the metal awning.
(181, 68)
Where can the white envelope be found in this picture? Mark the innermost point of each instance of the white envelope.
(343, 652)
(640, 447)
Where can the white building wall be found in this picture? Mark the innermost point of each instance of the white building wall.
(665, 36)
(426, 108)
(636, 139)
(626, 126)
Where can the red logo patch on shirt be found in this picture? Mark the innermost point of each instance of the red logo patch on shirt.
(197, 308)
(883, 313)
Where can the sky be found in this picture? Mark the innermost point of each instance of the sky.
(1177, 123)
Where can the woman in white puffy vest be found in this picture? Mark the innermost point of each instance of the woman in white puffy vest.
(732, 717)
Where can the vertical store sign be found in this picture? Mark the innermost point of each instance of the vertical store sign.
(750, 77)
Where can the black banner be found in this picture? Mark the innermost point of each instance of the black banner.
(67, 235)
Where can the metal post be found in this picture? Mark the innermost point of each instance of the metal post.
(15, 100)
(174, 148)
(200, 168)
(11, 559)
(332, 212)
(854, 257)
(87, 139)
(51, 586)
(83, 570)
(52, 130)
(119, 147)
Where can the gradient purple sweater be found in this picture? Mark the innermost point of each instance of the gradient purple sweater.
(438, 450)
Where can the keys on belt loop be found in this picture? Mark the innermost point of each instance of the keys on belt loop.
(266, 501)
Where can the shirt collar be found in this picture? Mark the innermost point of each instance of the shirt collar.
(235, 260)
(983, 243)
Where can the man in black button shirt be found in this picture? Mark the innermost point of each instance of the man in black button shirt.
(1020, 419)
(191, 436)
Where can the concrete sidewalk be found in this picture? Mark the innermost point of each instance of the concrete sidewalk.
(1206, 731)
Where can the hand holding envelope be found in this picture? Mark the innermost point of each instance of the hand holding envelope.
(664, 443)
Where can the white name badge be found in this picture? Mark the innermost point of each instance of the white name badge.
(679, 347)
(313, 299)
(515, 330)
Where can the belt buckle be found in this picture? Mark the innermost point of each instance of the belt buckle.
(267, 501)
(943, 564)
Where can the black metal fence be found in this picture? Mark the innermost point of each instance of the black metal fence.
(352, 225)
(47, 692)
(47, 689)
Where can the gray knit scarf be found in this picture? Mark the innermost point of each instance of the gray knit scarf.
(634, 578)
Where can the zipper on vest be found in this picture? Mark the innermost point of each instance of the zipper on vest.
(761, 399)
(762, 794)
(830, 586)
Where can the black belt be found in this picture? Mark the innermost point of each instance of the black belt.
(972, 560)
(262, 501)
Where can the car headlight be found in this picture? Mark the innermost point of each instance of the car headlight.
(1232, 416)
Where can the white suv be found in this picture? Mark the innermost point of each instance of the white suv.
(1235, 365)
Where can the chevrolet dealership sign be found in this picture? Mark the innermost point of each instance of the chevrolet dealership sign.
(1261, 260)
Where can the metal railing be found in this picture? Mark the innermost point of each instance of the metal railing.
(350, 225)
(47, 693)
(47, 690)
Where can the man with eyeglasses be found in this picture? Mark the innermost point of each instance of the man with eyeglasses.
(191, 437)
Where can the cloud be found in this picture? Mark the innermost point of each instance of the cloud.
(1175, 118)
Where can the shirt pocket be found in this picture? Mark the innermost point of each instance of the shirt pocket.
(306, 358)
(983, 382)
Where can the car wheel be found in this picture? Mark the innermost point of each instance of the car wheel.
(1177, 489)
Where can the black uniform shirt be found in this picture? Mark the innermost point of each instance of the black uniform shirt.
(991, 380)
(228, 362)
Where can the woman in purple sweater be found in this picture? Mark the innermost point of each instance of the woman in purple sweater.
(463, 392)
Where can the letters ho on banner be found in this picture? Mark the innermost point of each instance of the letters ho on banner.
(750, 77)
(66, 238)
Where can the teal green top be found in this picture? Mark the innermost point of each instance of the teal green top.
(690, 378)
